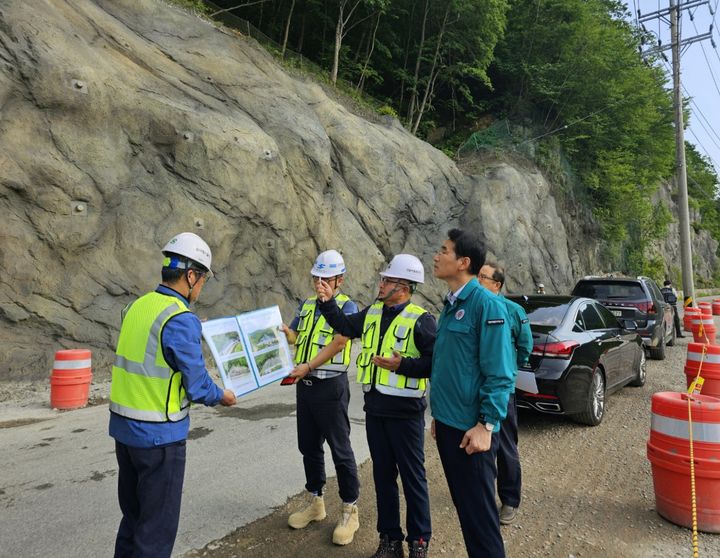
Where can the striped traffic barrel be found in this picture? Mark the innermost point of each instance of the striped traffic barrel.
(688, 314)
(703, 329)
(669, 453)
(716, 306)
(705, 360)
(70, 379)
(705, 308)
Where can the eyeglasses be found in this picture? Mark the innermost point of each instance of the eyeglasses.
(487, 278)
(316, 278)
(392, 282)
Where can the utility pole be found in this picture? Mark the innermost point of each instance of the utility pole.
(676, 43)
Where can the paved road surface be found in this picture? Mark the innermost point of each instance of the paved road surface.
(59, 474)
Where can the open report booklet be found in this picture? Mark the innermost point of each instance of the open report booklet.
(249, 349)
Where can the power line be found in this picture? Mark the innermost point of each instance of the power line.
(712, 74)
(707, 154)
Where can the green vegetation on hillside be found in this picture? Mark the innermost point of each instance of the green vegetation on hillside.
(569, 72)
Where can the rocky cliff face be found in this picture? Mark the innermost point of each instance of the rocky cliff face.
(124, 122)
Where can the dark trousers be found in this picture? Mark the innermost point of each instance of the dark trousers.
(471, 479)
(150, 482)
(509, 479)
(676, 321)
(397, 446)
(322, 414)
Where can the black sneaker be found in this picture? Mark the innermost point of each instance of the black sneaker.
(389, 549)
(418, 549)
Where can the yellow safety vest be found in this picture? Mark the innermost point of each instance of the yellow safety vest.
(144, 387)
(398, 337)
(313, 335)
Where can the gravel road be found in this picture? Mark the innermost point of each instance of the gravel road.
(586, 492)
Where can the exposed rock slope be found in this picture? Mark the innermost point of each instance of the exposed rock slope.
(123, 122)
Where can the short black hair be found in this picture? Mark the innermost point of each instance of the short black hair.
(171, 274)
(468, 245)
(498, 273)
(667, 282)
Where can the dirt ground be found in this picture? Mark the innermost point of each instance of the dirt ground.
(587, 492)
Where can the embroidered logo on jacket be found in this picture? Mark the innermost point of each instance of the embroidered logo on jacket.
(498, 321)
(459, 314)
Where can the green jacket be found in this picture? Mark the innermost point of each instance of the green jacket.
(473, 366)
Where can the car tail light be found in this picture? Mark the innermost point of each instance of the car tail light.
(559, 349)
(645, 307)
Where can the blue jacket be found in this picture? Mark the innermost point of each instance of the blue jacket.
(182, 349)
(473, 365)
(520, 329)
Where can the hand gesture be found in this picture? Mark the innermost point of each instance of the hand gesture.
(323, 290)
(389, 363)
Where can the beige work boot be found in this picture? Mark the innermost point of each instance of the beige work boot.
(315, 511)
(348, 524)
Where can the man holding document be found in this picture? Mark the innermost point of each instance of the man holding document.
(509, 480)
(159, 368)
(322, 358)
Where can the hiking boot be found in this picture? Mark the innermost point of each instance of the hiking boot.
(507, 514)
(418, 549)
(348, 524)
(315, 511)
(389, 549)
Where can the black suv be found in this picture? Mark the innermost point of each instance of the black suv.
(638, 299)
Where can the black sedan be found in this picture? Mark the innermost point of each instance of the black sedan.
(581, 352)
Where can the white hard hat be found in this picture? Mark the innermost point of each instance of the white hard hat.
(192, 247)
(405, 266)
(328, 264)
(541, 286)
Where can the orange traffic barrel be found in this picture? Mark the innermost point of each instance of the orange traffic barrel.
(70, 379)
(705, 308)
(688, 314)
(703, 329)
(716, 306)
(669, 453)
(706, 360)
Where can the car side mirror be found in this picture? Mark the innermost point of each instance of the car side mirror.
(630, 325)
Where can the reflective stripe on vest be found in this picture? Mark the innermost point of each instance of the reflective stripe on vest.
(313, 335)
(144, 387)
(677, 428)
(398, 337)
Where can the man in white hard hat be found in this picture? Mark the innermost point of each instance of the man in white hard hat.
(393, 368)
(322, 359)
(159, 368)
(540, 289)
(509, 470)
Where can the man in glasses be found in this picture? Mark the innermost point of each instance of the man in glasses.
(159, 368)
(393, 367)
(473, 372)
(322, 358)
(509, 476)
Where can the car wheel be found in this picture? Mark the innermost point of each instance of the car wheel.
(595, 405)
(671, 343)
(658, 353)
(641, 372)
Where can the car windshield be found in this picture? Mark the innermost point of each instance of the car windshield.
(607, 290)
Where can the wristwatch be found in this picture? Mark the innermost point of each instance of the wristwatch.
(489, 426)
